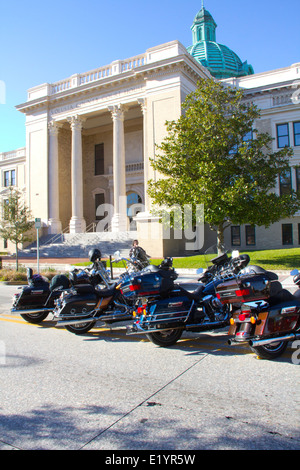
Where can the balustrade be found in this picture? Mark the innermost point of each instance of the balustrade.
(98, 74)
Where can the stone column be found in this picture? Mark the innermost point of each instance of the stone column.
(53, 179)
(119, 221)
(77, 222)
(143, 105)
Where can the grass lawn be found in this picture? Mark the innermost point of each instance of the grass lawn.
(273, 260)
(286, 259)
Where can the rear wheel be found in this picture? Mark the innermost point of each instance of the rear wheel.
(80, 328)
(165, 338)
(35, 317)
(270, 351)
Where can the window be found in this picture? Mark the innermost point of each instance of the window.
(285, 183)
(296, 133)
(287, 234)
(235, 235)
(283, 139)
(248, 137)
(6, 178)
(10, 178)
(99, 159)
(250, 235)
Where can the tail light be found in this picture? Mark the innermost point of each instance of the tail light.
(242, 292)
(142, 309)
(134, 287)
(243, 316)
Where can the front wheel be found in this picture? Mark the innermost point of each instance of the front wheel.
(80, 328)
(165, 338)
(35, 317)
(270, 351)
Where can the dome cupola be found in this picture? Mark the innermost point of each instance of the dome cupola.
(220, 60)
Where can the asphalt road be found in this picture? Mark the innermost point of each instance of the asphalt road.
(109, 391)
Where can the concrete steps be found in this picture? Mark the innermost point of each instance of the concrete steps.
(78, 245)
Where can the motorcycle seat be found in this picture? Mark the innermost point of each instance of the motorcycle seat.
(282, 295)
(108, 292)
(194, 295)
(84, 288)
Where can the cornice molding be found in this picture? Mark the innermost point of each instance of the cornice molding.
(183, 63)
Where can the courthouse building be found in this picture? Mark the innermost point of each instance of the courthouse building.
(90, 138)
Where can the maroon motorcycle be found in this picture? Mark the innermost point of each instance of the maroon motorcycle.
(266, 316)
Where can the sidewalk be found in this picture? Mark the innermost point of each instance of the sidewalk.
(60, 264)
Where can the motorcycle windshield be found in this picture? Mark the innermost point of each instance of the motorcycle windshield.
(217, 258)
(222, 265)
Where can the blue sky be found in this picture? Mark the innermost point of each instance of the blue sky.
(48, 41)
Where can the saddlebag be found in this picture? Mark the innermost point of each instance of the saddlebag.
(244, 289)
(148, 283)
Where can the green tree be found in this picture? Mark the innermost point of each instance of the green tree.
(213, 155)
(16, 220)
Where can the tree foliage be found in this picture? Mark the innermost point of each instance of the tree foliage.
(207, 159)
(16, 220)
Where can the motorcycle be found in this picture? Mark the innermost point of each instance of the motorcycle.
(79, 309)
(175, 309)
(37, 300)
(268, 316)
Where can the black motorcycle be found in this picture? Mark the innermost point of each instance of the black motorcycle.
(175, 309)
(37, 299)
(79, 309)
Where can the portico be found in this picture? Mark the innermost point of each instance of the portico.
(72, 166)
(91, 137)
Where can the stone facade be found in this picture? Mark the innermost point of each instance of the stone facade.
(277, 94)
(12, 173)
(90, 138)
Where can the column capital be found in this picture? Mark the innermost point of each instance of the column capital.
(117, 111)
(143, 104)
(76, 122)
(54, 127)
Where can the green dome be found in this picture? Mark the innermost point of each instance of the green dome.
(220, 60)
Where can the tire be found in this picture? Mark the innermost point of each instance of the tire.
(35, 317)
(270, 351)
(165, 338)
(80, 328)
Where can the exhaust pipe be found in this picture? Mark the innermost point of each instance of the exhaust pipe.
(75, 322)
(32, 310)
(137, 330)
(263, 342)
(234, 342)
(116, 317)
